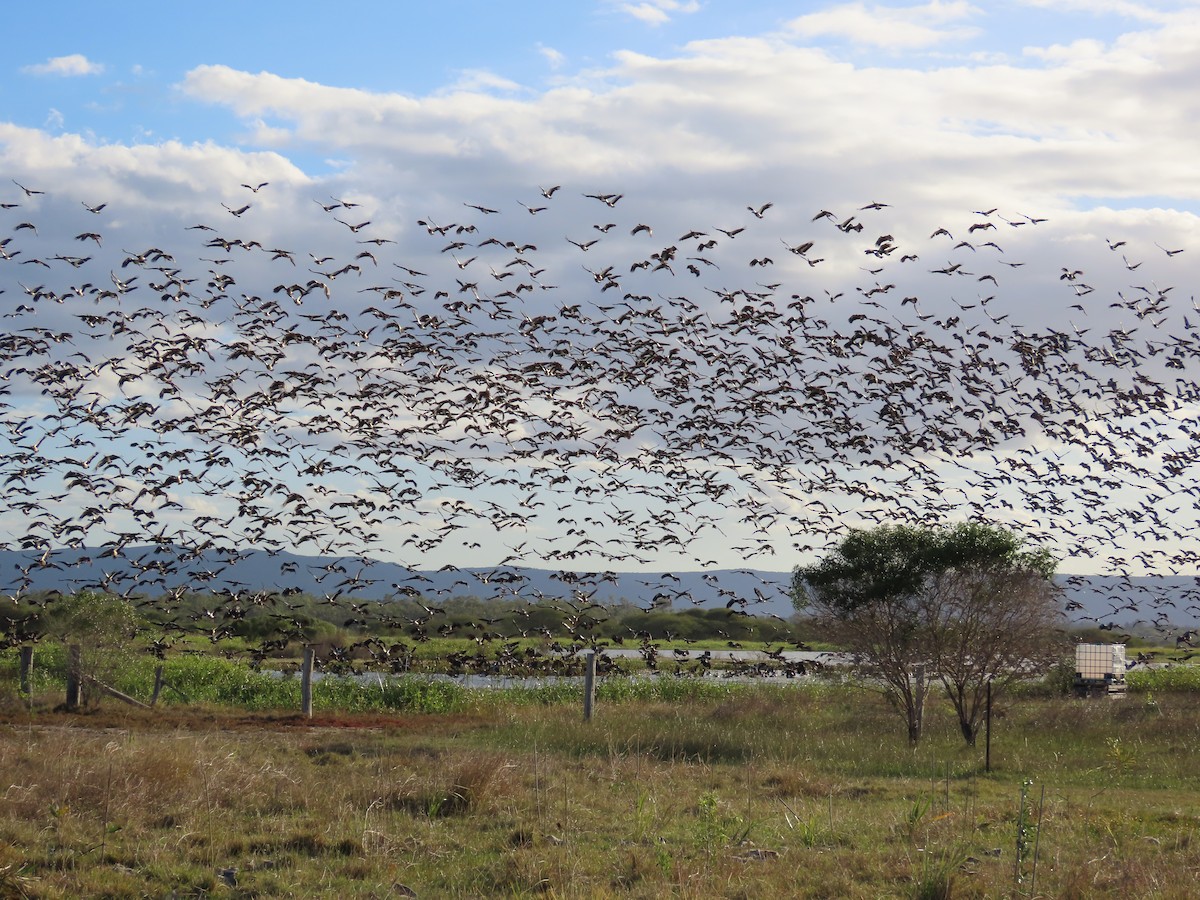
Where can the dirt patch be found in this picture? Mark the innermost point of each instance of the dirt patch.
(174, 719)
(440, 722)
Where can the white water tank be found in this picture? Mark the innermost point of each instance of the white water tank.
(1099, 669)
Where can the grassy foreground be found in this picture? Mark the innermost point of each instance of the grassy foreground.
(711, 791)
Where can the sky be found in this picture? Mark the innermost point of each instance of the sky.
(1081, 113)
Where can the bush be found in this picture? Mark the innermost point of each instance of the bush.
(1177, 679)
(1059, 681)
(104, 626)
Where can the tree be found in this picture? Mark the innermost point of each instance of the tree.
(994, 623)
(963, 604)
(103, 625)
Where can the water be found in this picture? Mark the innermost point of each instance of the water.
(665, 658)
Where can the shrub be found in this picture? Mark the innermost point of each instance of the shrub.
(104, 627)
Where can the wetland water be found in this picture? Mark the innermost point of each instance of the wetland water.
(744, 673)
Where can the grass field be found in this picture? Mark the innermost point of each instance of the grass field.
(675, 788)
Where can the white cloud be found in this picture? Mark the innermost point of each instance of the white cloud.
(907, 27)
(54, 120)
(1114, 116)
(482, 80)
(75, 64)
(658, 12)
(724, 123)
(1126, 8)
(265, 135)
(554, 57)
(181, 173)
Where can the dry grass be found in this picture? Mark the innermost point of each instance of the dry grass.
(781, 795)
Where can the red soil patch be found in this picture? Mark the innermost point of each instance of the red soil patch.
(109, 716)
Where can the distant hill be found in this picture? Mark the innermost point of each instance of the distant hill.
(153, 570)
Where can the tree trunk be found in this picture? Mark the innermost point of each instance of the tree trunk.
(965, 707)
(914, 729)
(914, 707)
(969, 730)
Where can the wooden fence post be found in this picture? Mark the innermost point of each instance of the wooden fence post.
(589, 685)
(74, 675)
(158, 683)
(27, 670)
(306, 671)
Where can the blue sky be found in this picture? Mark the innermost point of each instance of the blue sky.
(134, 56)
(1085, 113)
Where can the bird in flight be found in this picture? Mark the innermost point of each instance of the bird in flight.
(768, 392)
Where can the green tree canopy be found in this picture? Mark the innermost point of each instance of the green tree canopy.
(964, 604)
(894, 562)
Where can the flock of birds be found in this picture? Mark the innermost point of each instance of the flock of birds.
(595, 395)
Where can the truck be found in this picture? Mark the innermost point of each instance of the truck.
(1099, 670)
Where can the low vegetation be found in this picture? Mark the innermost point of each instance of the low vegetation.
(305, 618)
(685, 787)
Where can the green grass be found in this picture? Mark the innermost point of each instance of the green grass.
(714, 790)
(677, 787)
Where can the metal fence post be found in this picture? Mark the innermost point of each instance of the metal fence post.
(306, 671)
(589, 685)
(987, 753)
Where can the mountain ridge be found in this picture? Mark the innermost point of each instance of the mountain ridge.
(157, 569)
